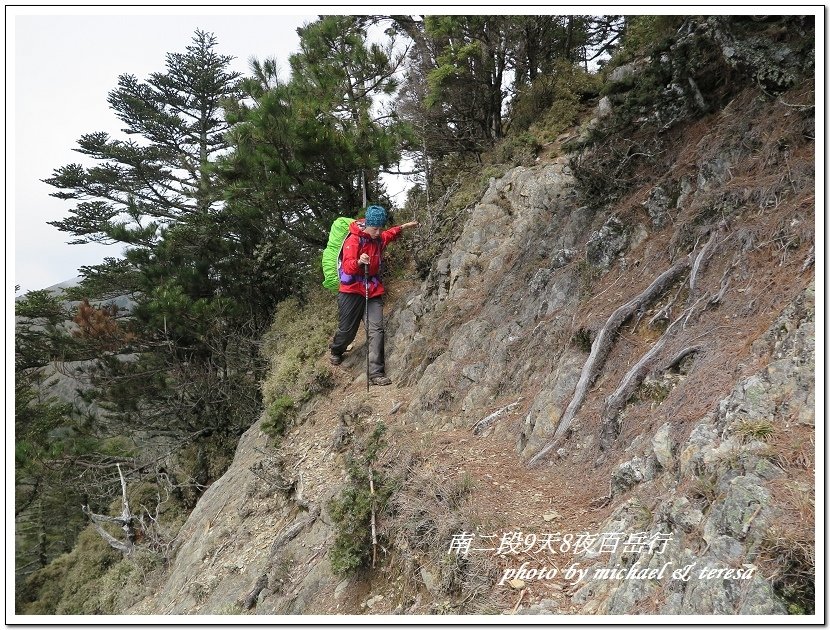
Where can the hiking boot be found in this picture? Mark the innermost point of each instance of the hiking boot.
(335, 359)
(380, 380)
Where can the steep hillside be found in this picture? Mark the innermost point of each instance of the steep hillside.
(604, 397)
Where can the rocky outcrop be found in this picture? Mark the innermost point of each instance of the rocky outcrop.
(248, 544)
(501, 289)
(493, 329)
(717, 513)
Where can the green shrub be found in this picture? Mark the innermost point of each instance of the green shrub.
(233, 608)
(351, 513)
(70, 585)
(300, 333)
(552, 103)
(280, 413)
(517, 150)
(352, 510)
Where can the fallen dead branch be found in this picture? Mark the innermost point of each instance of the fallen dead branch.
(374, 526)
(482, 425)
(125, 520)
(602, 346)
(518, 603)
(600, 502)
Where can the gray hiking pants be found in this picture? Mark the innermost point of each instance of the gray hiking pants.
(350, 307)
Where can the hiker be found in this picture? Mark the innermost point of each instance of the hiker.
(364, 246)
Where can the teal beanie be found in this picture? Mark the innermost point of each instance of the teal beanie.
(375, 216)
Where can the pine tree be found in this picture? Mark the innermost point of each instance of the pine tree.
(187, 365)
(305, 148)
(463, 70)
(139, 187)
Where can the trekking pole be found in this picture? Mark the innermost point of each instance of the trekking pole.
(366, 323)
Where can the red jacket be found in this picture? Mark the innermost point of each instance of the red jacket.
(357, 243)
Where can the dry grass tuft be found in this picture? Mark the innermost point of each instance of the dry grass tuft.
(787, 558)
(787, 552)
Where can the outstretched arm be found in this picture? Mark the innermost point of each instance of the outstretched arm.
(392, 233)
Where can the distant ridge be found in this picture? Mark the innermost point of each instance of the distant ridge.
(123, 302)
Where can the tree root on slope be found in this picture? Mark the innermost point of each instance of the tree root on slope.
(288, 534)
(630, 382)
(602, 346)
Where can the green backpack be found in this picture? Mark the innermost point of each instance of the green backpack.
(331, 254)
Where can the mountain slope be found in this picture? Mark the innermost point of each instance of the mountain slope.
(709, 448)
(610, 370)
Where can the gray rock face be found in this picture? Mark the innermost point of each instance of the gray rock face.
(627, 475)
(774, 65)
(662, 447)
(544, 607)
(658, 205)
(730, 468)
(682, 514)
(526, 229)
(604, 108)
(739, 513)
(227, 544)
(627, 71)
(784, 391)
(607, 243)
(550, 403)
(766, 61)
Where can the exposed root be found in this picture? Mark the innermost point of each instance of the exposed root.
(706, 253)
(602, 346)
(691, 311)
(260, 586)
(725, 279)
(665, 312)
(810, 260)
(630, 382)
(293, 530)
(674, 362)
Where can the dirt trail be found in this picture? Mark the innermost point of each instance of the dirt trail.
(509, 500)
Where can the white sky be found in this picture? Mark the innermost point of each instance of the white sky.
(63, 68)
(61, 63)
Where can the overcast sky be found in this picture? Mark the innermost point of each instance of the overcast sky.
(63, 68)
(61, 64)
